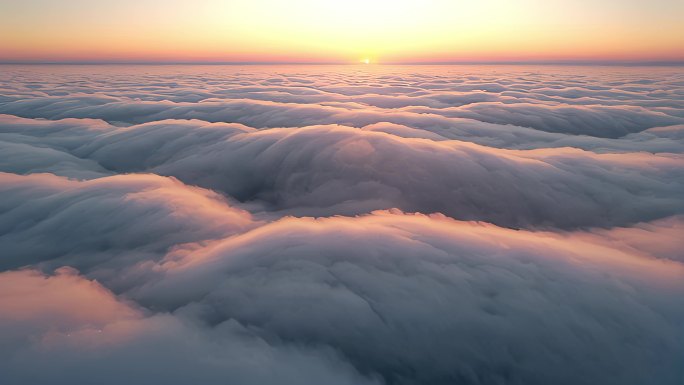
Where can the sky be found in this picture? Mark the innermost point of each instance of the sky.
(382, 31)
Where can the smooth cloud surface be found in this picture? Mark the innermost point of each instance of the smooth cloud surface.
(391, 225)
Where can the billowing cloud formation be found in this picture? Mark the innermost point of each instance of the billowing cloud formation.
(341, 226)
(403, 298)
(514, 107)
(136, 216)
(475, 306)
(325, 170)
(75, 331)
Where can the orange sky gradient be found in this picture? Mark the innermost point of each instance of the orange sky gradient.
(326, 31)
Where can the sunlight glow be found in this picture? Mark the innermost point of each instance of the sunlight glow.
(341, 31)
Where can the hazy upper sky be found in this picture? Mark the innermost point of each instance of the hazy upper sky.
(341, 31)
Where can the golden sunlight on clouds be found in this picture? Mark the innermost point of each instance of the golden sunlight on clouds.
(341, 31)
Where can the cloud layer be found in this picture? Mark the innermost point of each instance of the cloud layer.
(399, 225)
(326, 170)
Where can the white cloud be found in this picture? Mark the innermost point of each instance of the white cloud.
(160, 220)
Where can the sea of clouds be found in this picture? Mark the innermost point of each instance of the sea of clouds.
(341, 225)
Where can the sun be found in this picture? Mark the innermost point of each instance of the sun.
(366, 61)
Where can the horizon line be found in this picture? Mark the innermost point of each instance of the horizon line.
(579, 62)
